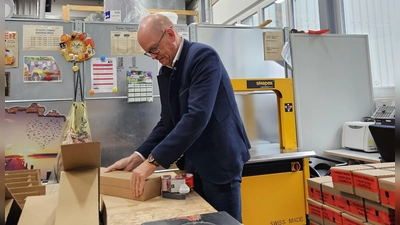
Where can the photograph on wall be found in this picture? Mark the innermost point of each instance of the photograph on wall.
(33, 138)
(41, 69)
(41, 38)
(7, 83)
(11, 49)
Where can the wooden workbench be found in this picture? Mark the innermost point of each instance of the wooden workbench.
(125, 211)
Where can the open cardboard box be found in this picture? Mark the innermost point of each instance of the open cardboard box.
(78, 199)
(117, 183)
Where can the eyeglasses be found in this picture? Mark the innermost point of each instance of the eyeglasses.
(154, 49)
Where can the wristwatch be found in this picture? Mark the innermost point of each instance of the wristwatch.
(151, 160)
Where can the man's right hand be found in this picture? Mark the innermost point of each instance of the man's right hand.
(126, 164)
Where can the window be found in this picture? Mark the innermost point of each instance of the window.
(306, 15)
(277, 13)
(375, 18)
(251, 20)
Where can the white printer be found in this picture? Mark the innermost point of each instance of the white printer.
(356, 136)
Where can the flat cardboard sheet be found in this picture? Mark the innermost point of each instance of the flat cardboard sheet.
(78, 198)
(39, 210)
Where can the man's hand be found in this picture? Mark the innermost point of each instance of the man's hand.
(139, 176)
(126, 164)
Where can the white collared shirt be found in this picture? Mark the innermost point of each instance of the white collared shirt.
(178, 54)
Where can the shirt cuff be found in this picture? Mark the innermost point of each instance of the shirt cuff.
(139, 154)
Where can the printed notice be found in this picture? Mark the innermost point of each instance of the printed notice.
(11, 56)
(125, 43)
(41, 38)
(273, 44)
(104, 75)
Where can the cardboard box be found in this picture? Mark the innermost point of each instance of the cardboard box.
(34, 174)
(42, 210)
(342, 177)
(331, 215)
(20, 193)
(23, 184)
(387, 191)
(356, 205)
(311, 222)
(117, 183)
(378, 214)
(315, 187)
(332, 197)
(39, 210)
(385, 165)
(351, 220)
(366, 183)
(315, 211)
(12, 210)
(78, 197)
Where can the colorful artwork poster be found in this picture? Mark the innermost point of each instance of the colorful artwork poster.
(41, 69)
(11, 48)
(7, 83)
(33, 138)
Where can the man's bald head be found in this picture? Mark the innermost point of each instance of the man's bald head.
(154, 23)
(157, 35)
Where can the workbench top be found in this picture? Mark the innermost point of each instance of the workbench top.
(125, 211)
(270, 152)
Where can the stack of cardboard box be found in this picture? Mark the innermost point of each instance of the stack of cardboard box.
(353, 195)
(20, 184)
(78, 200)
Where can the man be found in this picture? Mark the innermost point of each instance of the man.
(200, 127)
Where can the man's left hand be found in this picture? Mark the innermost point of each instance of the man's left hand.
(139, 176)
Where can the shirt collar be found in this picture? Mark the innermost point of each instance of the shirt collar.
(178, 54)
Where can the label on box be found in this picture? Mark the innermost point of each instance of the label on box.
(376, 215)
(342, 204)
(342, 177)
(315, 210)
(356, 208)
(347, 221)
(315, 193)
(366, 183)
(329, 199)
(388, 197)
(332, 216)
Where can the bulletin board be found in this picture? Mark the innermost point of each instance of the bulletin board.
(30, 85)
(104, 35)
